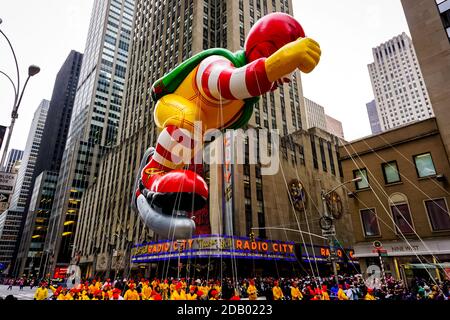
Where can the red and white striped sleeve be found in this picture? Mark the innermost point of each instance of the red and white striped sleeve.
(217, 79)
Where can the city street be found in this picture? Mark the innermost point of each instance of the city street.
(25, 294)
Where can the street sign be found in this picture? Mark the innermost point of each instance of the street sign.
(329, 233)
(4, 197)
(325, 223)
(7, 181)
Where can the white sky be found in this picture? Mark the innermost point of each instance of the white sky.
(43, 32)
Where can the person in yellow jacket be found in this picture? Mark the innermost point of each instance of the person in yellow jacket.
(325, 295)
(369, 295)
(178, 293)
(192, 285)
(131, 293)
(164, 289)
(98, 295)
(41, 292)
(93, 287)
(69, 295)
(277, 292)
(341, 294)
(146, 291)
(172, 287)
(205, 288)
(252, 292)
(192, 295)
(62, 295)
(295, 292)
(84, 295)
(215, 295)
(183, 284)
(217, 287)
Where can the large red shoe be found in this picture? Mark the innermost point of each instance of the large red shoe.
(179, 190)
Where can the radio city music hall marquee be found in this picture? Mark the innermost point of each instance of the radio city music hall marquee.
(214, 246)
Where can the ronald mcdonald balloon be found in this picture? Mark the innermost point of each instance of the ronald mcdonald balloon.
(218, 89)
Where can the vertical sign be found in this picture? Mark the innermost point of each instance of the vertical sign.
(201, 217)
(7, 182)
(228, 183)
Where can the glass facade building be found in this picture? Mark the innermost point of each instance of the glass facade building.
(95, 119)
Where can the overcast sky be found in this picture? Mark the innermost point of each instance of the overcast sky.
(43, 32)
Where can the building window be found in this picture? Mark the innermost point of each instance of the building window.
(262, 223)
(402, 218)
(401, 214)
(248, 215)
(424, 165)
(390, 172)
(314, 152)
(438, 213)
(322, 155)
(370, 223)
(364, 183)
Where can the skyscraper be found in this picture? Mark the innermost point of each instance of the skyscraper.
(13, 156)
(95, 119)
(429, 22)
(24, 179)
(373, 117)
(334, 126)
(400, 92)
(317, 118)
(166, 33)
(315, 115)
(48, 161)
(13, 217)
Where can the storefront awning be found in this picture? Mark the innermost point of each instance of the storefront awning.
(445, 265)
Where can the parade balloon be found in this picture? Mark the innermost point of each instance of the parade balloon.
(217, 89)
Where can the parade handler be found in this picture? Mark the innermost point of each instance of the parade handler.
(218, 89)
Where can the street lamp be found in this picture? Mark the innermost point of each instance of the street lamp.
(329, 235)
(358, 179)
(18, 94)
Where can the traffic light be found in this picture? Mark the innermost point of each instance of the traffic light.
(252, 236)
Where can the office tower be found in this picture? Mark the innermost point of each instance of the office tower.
(48, 163)
(373, 117)
(13, 156)
(429, 23)
(13, 217)
(334, 126)
(61, 106)
(95, 119)
(317, 118)
(400, 93)
(24, 178)
(315, 115)
(166, 33)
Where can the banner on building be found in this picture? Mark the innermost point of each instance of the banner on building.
(7, 182)
(322, 254)
(201, 217)
(228, 183)
(211, 246)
